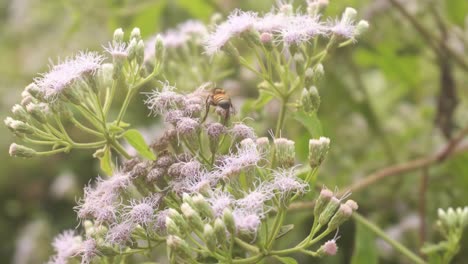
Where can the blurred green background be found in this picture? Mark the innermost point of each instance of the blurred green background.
(380, 102)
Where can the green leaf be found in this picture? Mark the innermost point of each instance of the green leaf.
(137, 141)
(286, 260)
(106, 161)
(256, 104)
(365, 250)
(284, 230)
(310, 122)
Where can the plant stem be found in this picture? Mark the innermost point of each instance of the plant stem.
(379, 232)
(282, 114)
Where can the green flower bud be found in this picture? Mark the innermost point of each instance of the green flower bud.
(19, 112)
(118, 36)
(343, 214)
(318, 150)
(19, 127)
(21, 151)
(38, 111)
(229, 222)
(186, 198)
(178, 220)
(329, 211)
(349, 14)
(220, 231)
(136, 35)
(361, 27)
(178, 246)
(209, 237)
(193, 218)
(318, 71)
(322, 201)
(171, 227)
(140, 52)
(35, 91)
(202, 206)
(159, 50)
(285, 153)
(310, 100)
(309, 77)
(132, 49)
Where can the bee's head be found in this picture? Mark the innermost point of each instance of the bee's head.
(218, 91)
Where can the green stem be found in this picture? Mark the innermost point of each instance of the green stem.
(276, 227)
(116, 145)
(85, 128)
(51, 152)
(282, 115)
(379, 232)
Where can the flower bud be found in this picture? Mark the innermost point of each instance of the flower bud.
(229, 222)
(329, 248)
(231, 51)
(361, 27)
(343, 214)
(118, 36)
(159, 50)
(21, 151)
(220, 231)
(172, 227)
(263, 145)
(352, 204)
(266, 38)
(349, 14)
(285, 153)
(209, 237)
(309, 77)
(17, 126)
(319, 71)
(329, 211)
(140, 52)
(136, 35)
(178, 246)
(192, 216)
(286, 9)
(35, 91)
(132, 49)
(178, 220)
(202, 206)
(322, 201)
(186, 198)
(310, 100)
(38, 111)
(318, 149)
(19, 112)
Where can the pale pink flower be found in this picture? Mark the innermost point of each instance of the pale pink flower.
(64, 74)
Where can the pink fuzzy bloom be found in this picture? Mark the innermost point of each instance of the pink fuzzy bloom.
(120, 234)
(64, 74)
(160, 102)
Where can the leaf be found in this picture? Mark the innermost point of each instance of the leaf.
(310, 122)
(256, 104)
(286, 260)
(365, 250)
(106, 162)
(284, 230)
(456, 10)
(137, 141)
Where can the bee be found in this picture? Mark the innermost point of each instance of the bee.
(219, 97)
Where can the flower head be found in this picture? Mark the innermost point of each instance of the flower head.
(160, 102)
(64, 74)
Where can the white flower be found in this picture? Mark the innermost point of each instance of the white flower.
(66, 73)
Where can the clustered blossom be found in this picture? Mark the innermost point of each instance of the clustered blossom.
(284, 26)
(66, 245)
(64, 74)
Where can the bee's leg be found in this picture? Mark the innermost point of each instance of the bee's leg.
(208, 104)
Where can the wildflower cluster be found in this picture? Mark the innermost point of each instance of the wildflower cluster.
(79, 91)
(451, 224)
(208, 187)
